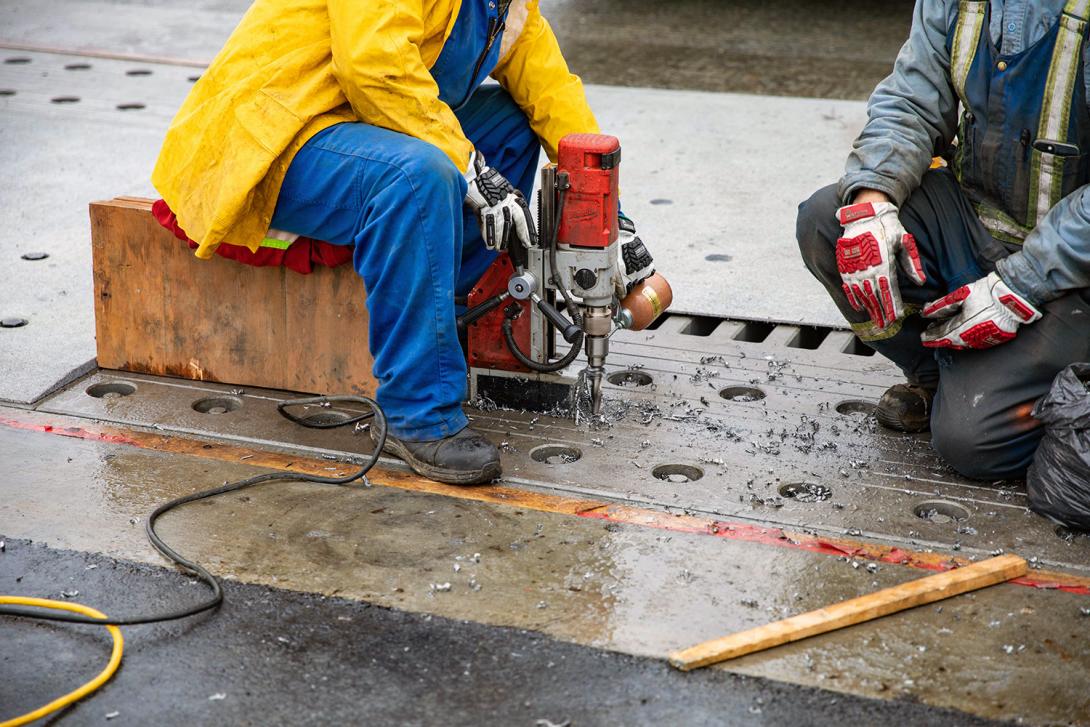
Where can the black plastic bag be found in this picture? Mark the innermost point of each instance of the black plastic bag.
(1058, 481)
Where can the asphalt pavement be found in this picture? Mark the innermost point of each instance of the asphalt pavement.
(272, 656)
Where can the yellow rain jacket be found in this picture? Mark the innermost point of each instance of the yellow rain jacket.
(294, 67)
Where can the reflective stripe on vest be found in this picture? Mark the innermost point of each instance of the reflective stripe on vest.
(282, 240)
(966, 38)
(1046, 177)
(1046, 170)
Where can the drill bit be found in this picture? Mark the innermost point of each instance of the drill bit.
(594, 376)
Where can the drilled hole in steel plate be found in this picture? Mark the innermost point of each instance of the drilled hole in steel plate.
(78, 67)
(13, 322)
(1071, 534)
(677, 473)
(742, 393)
(65, 99)
(111, 389)
(16, 60)
(806, 491)
(556, 454)
(853, 407)
(629, 378)
(7, 91)
(326, 418)
(33, 256)
(217, 404)
(138, 72)
(130, 106)
(940, 511)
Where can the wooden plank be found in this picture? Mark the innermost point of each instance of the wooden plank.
(160, 310)
(857, 610)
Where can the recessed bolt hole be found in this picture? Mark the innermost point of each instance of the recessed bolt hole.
(7, 92)
(65, 99)
(629, 378)
(1070, 535)
(138, 72)
(16, 60)
(13, 322)
(217, 404)
(35, 256)
(853, 407)
(677, 473)
(78, 67)
(326, 418)
(742, 393)
(556, 454)
(130, 106)
(806, 492)
(940, 511)
(111, 390)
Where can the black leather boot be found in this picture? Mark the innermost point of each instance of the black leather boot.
(906, 408)
(465, 458)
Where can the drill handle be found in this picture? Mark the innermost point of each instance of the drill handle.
(568, 330)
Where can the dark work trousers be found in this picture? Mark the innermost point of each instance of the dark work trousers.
(981, 423)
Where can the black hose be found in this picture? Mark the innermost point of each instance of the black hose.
(196, 569)
(551, 367)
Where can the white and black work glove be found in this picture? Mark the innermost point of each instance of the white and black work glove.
(982, 314)
(502, 209)
(634, 262)
(873, 237)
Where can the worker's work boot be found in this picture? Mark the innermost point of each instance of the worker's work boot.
(465, 458)
(906, 408)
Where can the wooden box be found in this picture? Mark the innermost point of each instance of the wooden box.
(160, 310)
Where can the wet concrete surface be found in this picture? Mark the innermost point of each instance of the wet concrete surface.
(619, 587)
(798, 418)
(271, 656)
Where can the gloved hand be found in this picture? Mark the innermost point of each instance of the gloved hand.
(502, 208)
(864, 256)
(982, 314)
(634, 262)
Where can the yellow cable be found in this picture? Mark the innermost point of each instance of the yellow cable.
(74, 696)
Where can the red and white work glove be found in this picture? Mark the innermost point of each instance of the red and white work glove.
(873, 236)
(982, 314)
(503, 211)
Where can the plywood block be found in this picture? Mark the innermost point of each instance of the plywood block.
(160, 310)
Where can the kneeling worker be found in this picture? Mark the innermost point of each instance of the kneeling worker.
(366, 124)
(993, 251)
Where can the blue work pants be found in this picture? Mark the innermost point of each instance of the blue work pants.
(399, 201)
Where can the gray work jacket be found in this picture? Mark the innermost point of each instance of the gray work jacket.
(913, 114)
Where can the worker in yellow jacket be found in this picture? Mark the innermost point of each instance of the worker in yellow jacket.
(366, 124)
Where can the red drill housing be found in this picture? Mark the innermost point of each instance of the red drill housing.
(592, 164)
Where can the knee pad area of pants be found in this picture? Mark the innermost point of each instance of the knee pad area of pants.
(974, 452)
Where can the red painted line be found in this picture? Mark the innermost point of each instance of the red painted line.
(777, 537)
(74, 432)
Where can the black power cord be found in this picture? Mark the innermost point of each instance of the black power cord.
(196, 569)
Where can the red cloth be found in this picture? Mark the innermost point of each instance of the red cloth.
(301, 256)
